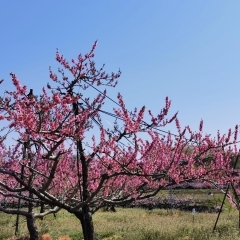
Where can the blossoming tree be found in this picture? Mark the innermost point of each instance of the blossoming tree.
(62, 167)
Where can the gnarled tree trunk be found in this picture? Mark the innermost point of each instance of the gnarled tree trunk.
(33, 231)
(86, 222)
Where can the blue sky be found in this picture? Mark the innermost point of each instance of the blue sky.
(186, 50)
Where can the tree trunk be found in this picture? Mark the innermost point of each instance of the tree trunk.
(42, 209)
(85, 215)
(33, 231)
(87, 223)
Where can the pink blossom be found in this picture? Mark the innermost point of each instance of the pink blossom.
(56, 98)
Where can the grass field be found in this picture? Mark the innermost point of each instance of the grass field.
(136, 224)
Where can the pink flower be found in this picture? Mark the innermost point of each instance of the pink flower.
(56, 98)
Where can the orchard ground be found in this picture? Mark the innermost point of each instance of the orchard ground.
(139, 223)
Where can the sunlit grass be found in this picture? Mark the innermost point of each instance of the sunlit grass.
(158, 224)
(140, 224)
(135, 224)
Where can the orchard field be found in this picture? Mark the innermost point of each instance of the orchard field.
(65, 155)
(131, 130)
(140, 223)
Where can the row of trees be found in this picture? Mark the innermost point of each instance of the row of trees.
(53, 162)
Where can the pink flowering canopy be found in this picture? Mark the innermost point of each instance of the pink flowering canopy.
(130, 161)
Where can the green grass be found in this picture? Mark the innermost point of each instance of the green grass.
(135, 224)
(140, 224)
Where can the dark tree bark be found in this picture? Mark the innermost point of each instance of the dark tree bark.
(33, 231)
(42, 209)
(87, 223)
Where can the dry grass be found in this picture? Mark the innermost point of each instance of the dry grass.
(64, 238)
(46, 237)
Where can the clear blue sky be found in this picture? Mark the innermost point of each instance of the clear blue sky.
(187, 50)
